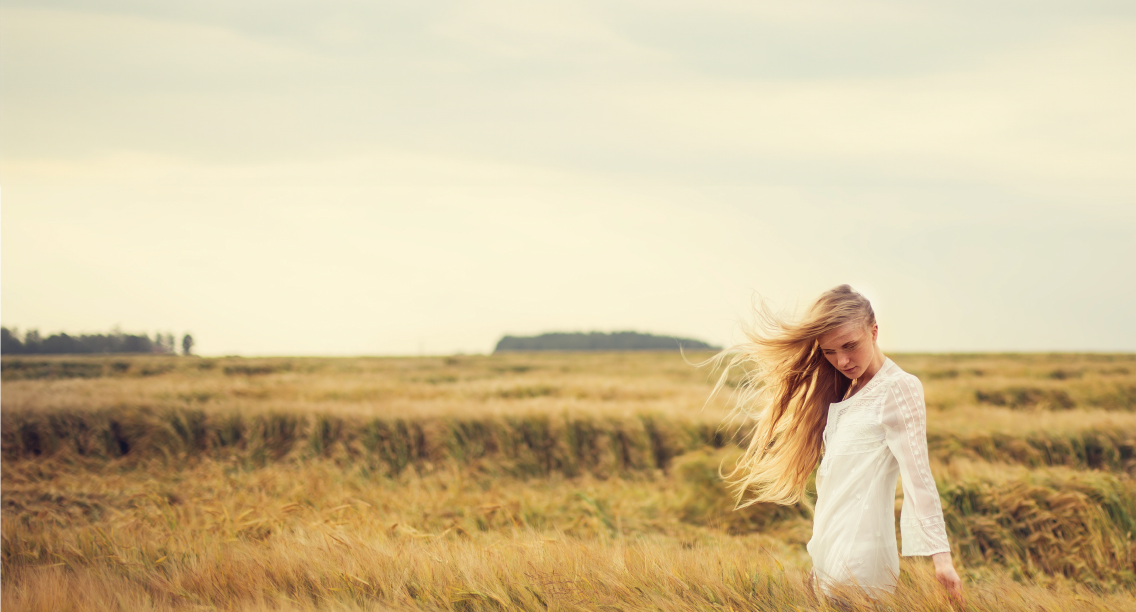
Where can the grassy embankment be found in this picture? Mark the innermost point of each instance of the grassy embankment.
(519, 482)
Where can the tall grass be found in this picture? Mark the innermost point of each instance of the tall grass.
(312, 535)
(1045, 523)
(532, 444)
(526, 572)
(520, 482)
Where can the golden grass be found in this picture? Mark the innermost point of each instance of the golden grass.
(607, 384)
(496, 385)
(312, 535)
(534, 482)
(527, 572)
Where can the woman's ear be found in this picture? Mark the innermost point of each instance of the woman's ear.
(875, 331)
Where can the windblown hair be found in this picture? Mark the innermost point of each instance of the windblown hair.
(787, 387)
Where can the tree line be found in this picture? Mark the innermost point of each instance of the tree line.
(12, 342)
(599, 341)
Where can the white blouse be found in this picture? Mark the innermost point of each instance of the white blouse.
(870, 439)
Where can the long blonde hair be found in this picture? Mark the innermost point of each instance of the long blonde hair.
(787, 387)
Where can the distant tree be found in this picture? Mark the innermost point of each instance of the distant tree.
(10, 343)
(137, 344)
(63, 343)
(163, 344)
(597, 341)
(187, 344)
(57, 344)
(31, 341)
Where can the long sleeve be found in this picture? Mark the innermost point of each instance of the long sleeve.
(904, 417)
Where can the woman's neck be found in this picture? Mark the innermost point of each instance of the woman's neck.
(869, 373)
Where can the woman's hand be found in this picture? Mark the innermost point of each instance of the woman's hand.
(947, 576)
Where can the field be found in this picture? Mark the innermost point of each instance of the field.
(522, 481)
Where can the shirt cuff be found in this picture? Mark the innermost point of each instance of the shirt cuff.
(924, 538)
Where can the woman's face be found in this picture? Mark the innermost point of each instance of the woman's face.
(850, 348)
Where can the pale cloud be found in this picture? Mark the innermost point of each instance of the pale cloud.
(805, 15)
(389, 178)
(1054, 118)
(395, 249)
(515, 30)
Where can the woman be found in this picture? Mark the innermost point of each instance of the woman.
(822, 382)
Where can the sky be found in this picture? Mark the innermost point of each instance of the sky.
(398, 178)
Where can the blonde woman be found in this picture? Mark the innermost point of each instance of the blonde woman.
(823, 383)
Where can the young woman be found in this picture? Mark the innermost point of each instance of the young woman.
(823, 383)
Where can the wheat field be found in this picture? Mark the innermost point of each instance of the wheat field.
(522, 482)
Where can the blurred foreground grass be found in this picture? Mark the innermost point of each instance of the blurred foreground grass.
(543, 481)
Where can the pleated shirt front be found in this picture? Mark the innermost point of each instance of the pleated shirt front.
(870, 440)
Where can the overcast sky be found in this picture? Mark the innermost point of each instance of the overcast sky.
(342, 178)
